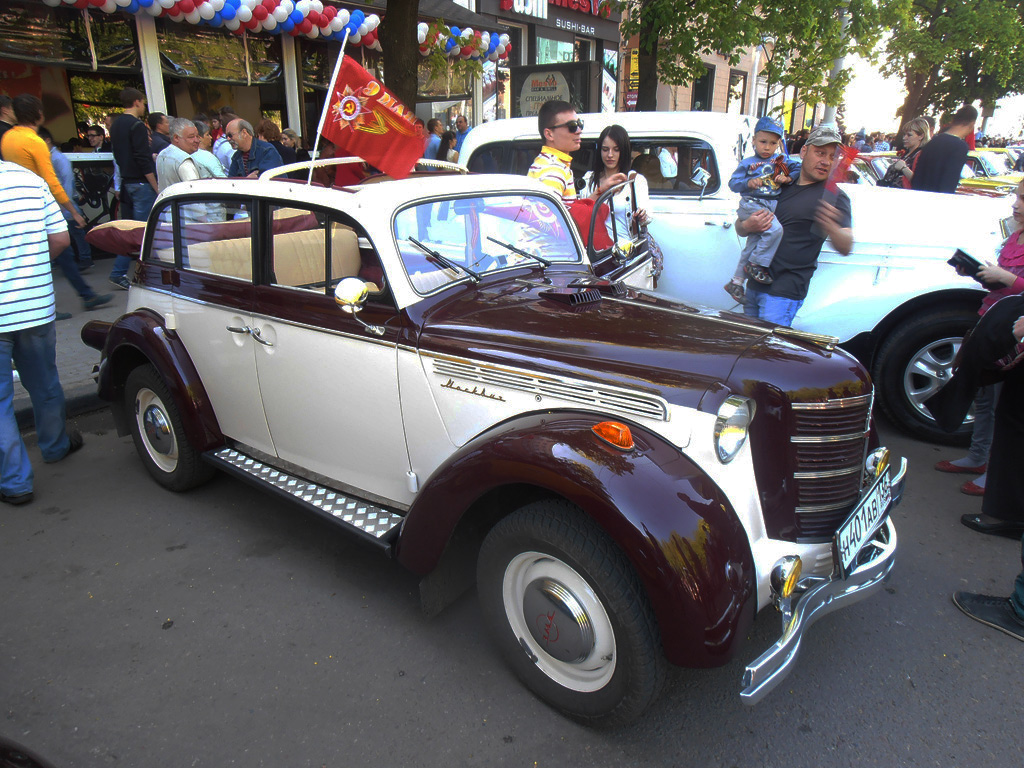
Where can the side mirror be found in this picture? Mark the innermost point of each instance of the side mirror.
(701, 177)
(350, 294)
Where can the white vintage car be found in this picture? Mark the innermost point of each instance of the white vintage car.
(437, 369)
(893, 302)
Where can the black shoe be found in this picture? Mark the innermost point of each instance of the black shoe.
(16, 499)
(98, 300)
(758, 273)
(75, 441)
(63, 316)
(120, 283)
(993, 525)
(996, 612)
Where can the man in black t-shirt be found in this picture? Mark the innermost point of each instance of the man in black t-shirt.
(942, 160)
(806, 221)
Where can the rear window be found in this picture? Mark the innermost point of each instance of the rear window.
(671, 166)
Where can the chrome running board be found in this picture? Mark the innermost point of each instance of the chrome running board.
(374, 524)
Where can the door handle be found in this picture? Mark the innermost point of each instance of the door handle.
(236, 329)
(255, 333)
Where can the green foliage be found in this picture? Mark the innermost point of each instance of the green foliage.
(952, 52)
(453, 72)
(800, 39)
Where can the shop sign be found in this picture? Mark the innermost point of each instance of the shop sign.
(601, 8)
(538, 9)
(540, 87)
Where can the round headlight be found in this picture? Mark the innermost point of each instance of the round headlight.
(734, 418)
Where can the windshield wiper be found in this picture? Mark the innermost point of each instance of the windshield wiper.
(520, 251)
(444, 261)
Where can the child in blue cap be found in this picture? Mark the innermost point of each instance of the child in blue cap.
(758, 180)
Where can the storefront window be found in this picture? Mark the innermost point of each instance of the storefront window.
(30, 31)
(198, 53)
(446, 85)
(554, 51)
(583, 49)
(95, 96)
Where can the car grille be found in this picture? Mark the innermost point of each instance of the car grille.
(830, 445)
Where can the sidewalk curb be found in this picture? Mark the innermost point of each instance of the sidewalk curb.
(79, 398)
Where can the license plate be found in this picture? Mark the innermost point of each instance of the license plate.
(862, 523)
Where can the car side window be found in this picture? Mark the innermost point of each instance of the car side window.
(162, 250)
(216, 236)
(313, 250)
(674, 167)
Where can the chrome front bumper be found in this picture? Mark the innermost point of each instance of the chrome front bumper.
(816, 596)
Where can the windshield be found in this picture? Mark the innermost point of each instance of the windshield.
(992, 163)
(476, 232)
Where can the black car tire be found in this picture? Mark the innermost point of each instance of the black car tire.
(551, 547)
(913, 362)
(158, 433)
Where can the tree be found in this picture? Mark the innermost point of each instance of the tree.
(952, 52)
(806, 37)
(401, 55)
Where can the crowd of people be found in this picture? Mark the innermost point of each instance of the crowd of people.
(150, 152)
(445, 143)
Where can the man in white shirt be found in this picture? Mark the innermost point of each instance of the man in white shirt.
(175, 163)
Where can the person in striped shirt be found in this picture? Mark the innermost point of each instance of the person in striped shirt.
(32, 233)
(561, 129)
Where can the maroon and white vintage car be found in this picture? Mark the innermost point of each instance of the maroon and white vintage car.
(436, 368)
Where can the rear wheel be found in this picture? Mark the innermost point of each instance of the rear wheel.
(915, 361)
(159, 435)
(569, 615)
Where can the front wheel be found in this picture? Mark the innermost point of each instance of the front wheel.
(915, 361)
(159, 435)
(569, 615)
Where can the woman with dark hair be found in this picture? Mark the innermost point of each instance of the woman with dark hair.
(446, 149)
(269, 131)
(614, 156)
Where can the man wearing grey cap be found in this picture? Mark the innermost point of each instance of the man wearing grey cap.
(807, 220)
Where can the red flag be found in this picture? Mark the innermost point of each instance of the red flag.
(364, 119)
(841, 164)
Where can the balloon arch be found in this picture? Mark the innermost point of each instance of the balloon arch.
(311, 19)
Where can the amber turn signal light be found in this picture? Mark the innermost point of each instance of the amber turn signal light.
(615, 434)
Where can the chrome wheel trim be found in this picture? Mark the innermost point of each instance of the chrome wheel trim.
(154, 425)
(928, 371)
(595, 669)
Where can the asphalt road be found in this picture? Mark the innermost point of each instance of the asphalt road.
(224, 628)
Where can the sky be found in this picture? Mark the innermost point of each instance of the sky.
(872, 101)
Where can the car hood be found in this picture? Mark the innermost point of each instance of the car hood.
(637, 341)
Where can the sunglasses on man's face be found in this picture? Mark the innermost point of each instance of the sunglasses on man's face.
(573, 126)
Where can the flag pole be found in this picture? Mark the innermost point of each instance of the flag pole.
(327, 104)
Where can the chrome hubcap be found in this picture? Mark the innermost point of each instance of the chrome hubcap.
(560, 624)
(928, 371)
(560, 621)
(158, 431)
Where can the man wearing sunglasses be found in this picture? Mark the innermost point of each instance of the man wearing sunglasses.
(561, 130)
